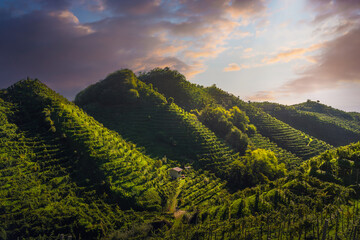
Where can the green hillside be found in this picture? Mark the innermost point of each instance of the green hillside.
(333, 126)
(290, 139)
(64, 174)
(162, 128)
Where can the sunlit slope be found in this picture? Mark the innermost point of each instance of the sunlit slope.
(172, 84)
(63, 172)
(331, 125)
(152, 122)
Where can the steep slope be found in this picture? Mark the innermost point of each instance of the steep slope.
(331, 125)
(64, 173)
(285, 136)
(152, 122)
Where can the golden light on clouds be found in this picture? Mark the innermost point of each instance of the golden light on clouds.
(292, 54)
(235, 67)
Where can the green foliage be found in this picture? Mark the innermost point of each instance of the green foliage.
(251, 129)
(173, 84)
(217, 119)
(190, 96)
(341, 165)
(239, 118)
(258, 166)
(165, 129)
(72, 181)
(225, 124)
(62, 172)
(237, 139)
(121, 87)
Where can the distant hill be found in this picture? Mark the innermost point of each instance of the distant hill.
(328, 124)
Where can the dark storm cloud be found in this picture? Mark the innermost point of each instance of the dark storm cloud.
(44, 39)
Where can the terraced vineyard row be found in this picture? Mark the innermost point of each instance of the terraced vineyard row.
(62, 156)
(38, 193)
(291, 160)
(336, 130)
(286, 137)
(162, 128)
(201, 190)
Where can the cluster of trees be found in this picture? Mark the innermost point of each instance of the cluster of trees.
(230, 125)
(256, 167)
(341, 165)
(173, 84)
(120, 87)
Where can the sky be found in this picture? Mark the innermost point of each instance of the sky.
(284, 51)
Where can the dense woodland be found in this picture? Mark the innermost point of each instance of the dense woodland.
(98, 167)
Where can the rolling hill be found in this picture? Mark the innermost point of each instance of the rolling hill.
(100, 169)
(330, 125)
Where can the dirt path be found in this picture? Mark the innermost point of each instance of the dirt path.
(173, 205)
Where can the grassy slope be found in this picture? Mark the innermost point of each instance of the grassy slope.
(331, 125)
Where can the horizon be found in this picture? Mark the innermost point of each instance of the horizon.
(278, 51)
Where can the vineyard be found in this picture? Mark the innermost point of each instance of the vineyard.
(331, 127)
(289, 159)
(67, 175)
(285, 136)
(165, 130)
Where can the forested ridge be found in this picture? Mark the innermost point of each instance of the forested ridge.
(98, 168)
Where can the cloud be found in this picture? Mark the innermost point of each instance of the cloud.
(326, 9)
(262, 96)
(246, 50)
(337, 67)
(338, 64)
(292, 54)
(45, 39)
(343, 13)
(234, 67)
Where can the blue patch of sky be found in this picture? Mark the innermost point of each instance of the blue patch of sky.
(86, 16)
